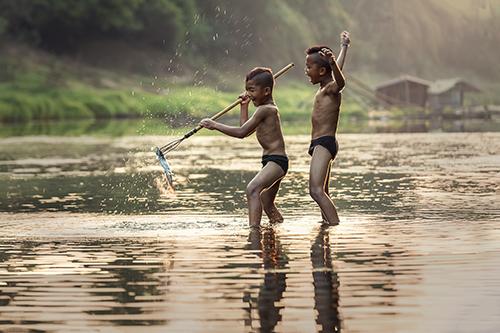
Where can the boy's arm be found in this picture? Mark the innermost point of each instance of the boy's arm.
(244, 108)
(345, 41)
(338, 82)
(238, 132)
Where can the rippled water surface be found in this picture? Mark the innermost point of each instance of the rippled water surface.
(92, 240)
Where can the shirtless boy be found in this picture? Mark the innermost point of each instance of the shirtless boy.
(322, 68)
(262, 189)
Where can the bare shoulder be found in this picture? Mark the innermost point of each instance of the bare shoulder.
(332, 88)
(267, 109)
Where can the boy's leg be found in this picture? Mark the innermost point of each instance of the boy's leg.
(264, 179)
(327, 183)
(320, 163)
(267, 199)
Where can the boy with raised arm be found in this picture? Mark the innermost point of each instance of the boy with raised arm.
(322, 68)
(262, 189)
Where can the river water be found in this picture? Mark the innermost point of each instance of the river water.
(92, 240)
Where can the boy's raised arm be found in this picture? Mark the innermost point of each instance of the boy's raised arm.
(345, 41)
(338, 82)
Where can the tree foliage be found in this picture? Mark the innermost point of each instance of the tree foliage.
(391, 36)
(60, 25)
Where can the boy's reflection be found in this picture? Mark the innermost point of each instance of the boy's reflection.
(265, 241)
(326, 283)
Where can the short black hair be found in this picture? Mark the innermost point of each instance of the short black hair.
(317, 59)
(262, 76)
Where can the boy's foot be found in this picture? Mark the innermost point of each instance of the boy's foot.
(276, 220)
(274, 216)
(326, 223)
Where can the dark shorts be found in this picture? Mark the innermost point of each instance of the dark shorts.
(282, 161)
(329, 142)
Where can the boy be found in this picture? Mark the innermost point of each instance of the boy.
(262, 189)
(322, 68)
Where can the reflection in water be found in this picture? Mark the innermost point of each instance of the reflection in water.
(266, 243)
(133, 278)
(99, 278)
(360, 276)
(401, 176)
(326, 283)
(123, 127)
(87, 242)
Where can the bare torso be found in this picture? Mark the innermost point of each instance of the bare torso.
(325, 115)
(269, 132)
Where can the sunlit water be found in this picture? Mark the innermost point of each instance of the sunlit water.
(91, 240)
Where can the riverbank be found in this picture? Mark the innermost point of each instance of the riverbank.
(39, 88)
(42, 87)
(126, 127)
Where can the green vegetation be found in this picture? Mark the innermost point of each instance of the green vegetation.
(77, 101)
(33, 90)
(57, 91)
(180, 60)
(61, 25)
(390, 36)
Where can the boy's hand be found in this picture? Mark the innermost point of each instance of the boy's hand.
(208, 123)
(345, 40)
(245, 99)
(327, 54)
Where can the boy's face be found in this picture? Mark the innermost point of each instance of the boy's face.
(313, 70)
(257, 94)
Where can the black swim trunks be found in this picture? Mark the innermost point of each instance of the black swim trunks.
(282, 161)
(329, 142)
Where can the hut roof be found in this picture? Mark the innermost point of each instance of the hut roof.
(441, 86)
(403, 78)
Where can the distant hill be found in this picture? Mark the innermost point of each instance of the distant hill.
(430, 38)
(427, 38)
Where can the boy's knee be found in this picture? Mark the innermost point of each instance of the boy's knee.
(252, 190)
(316, 192)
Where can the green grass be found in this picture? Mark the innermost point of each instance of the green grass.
(20, 103)
(35, 88)
(23, 100)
